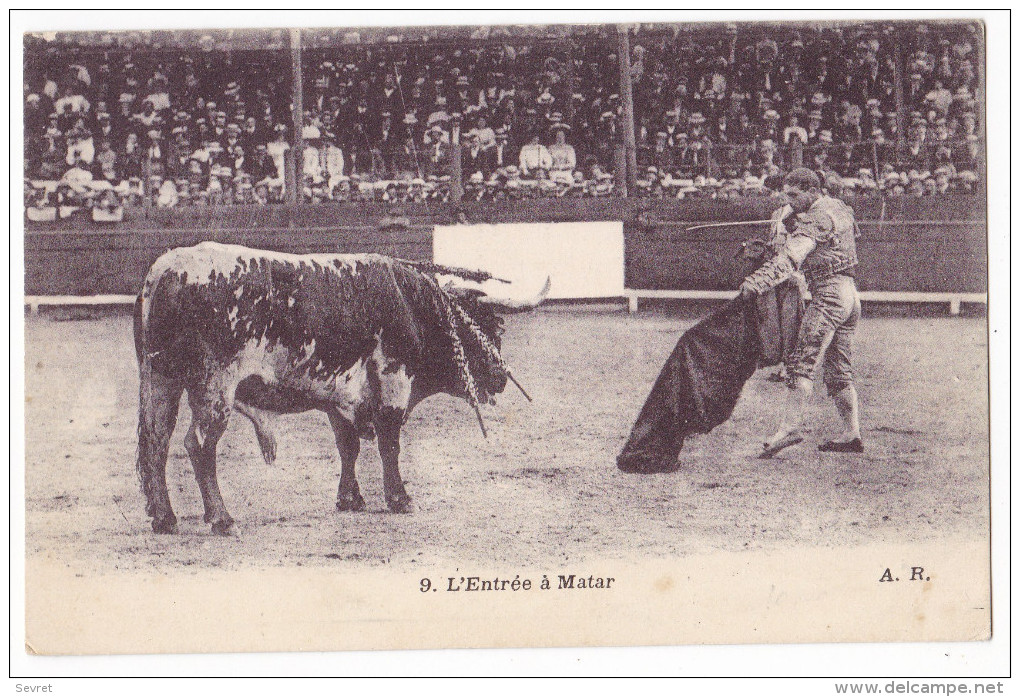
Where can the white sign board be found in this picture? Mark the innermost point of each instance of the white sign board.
(583, 260)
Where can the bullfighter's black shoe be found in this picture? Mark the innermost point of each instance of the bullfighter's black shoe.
(850, 446)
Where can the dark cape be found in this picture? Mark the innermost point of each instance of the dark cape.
(696, 389)
(702, 379)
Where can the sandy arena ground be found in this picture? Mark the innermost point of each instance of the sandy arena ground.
(544, 487)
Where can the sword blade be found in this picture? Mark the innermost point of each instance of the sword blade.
(733, 224)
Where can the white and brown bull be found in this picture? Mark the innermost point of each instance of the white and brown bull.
(363, 338)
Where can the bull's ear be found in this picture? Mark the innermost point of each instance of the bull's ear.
(463, 293)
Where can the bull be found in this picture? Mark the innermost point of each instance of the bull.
(363, 338)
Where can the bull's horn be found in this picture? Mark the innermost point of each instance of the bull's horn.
(505, 304)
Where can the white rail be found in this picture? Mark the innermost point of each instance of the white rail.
(36, 301)
(633, 296)
(881, 296)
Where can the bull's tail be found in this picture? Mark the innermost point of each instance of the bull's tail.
(139, 328)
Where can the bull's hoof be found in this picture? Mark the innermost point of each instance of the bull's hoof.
(267, 444)
(398, 503)
(223, 528)
(165, 526)
(352, 502)
(647, 465)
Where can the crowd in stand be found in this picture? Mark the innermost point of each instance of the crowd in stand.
(191, 118)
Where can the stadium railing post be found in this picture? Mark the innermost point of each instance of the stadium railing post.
(456, 173)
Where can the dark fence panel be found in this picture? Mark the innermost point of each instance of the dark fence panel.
(918, 256)
(906, 244)
(93, 263)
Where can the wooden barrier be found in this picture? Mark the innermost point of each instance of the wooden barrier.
(909, 245)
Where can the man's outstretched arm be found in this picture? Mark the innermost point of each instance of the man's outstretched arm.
(780, 267)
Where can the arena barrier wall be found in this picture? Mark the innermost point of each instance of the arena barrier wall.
(907, 245)
(530, 252)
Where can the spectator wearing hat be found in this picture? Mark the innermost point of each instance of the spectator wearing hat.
(660, 155)
(942, 179)
(153, 155)
(52, 162)
(535, 159)
(131, 156)
(771, 130)
(78, 184)
(178, 152)
(385, 143)
(767, 160)
(80, 144)
(463, 97)
(939, 98)
(486, 135)
(847, 159)
(969, 122)
(250, 135)
(891, 126)
(260, 194)
(158, 94)
(388, 96)
(941, 133)
(648, 183)
(672, 127)
(794, 132)
(720, 131)
(851, 117)
(545, 101)
(916, 152)
(606, 135)
(474, 158)
(123, 121)
(259, 164)
(71, 102)
(407, 159)
(311, 167)
(437, 150)
(167, 196)
(35, 115)
(183, 191)
(277, 149)
(500, 155)
(695, 157)
(455, 128)
(104, 127)
(818, 155)
(696, 124)
(333, 164)
(106, 161)
(967, 153)
(563, 157)
(147, 118)
(219, 129)
(814, 125)
(872, 117)
(359, 140)
(915, 92)
(915, 187)
(438, 113)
